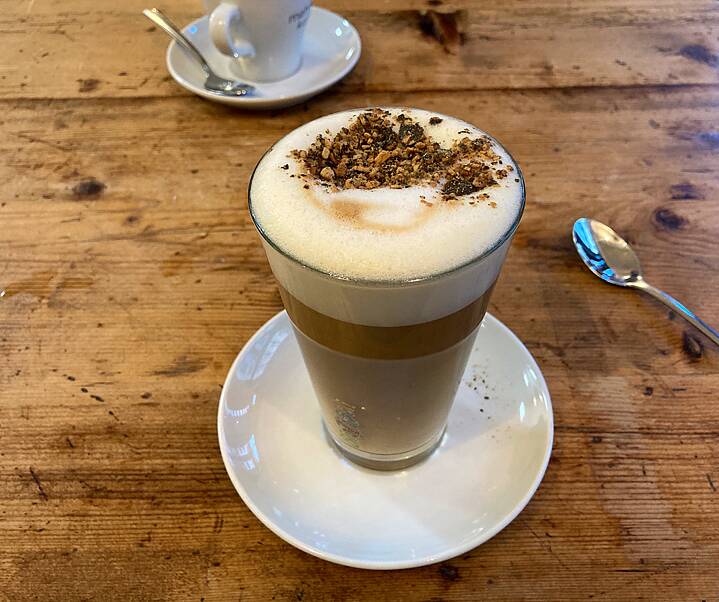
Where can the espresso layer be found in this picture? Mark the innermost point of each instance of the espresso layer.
(385, 408)
(386, 342)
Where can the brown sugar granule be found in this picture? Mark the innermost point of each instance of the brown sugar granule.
(410, 133)
(377, 150)
(457, 186)
(327, 173)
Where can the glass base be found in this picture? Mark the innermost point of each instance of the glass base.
(387, 461)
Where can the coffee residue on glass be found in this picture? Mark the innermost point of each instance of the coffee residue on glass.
(379, 150)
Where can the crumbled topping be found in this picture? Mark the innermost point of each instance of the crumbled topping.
(378, 150)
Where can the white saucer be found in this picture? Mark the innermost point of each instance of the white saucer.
(332, 47)
(487, 468)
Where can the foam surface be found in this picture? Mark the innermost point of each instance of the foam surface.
(384, 233)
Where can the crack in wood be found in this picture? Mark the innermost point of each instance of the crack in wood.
(40, 489)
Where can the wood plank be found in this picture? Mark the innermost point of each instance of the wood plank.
(80, 50)
(135, 277)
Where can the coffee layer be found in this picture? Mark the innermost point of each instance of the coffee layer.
(386, 342)
(385, 407)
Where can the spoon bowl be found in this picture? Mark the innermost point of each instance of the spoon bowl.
(226, 87)
(606, 253)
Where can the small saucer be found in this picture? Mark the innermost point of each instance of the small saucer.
(489, 464)
(332, 47)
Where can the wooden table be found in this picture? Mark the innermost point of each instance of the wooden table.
(133, 276)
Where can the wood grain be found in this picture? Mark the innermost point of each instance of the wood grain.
(65, 49)
(133, 276)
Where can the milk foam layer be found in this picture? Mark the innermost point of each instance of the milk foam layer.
(382, 234)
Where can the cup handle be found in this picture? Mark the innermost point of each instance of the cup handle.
(221, 22)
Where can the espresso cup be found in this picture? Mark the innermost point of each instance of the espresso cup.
(263, 37)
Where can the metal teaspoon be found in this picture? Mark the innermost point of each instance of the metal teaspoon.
(611, 258)
(214, 83)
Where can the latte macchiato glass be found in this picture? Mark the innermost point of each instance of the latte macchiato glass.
(386, 230)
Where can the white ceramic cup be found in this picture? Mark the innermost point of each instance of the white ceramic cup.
(263, 36)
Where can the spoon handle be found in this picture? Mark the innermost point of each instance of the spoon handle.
(164, 22)
(683, 311)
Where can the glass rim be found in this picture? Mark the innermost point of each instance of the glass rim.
(399, 282)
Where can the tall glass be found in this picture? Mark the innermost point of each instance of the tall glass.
(386, 358)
